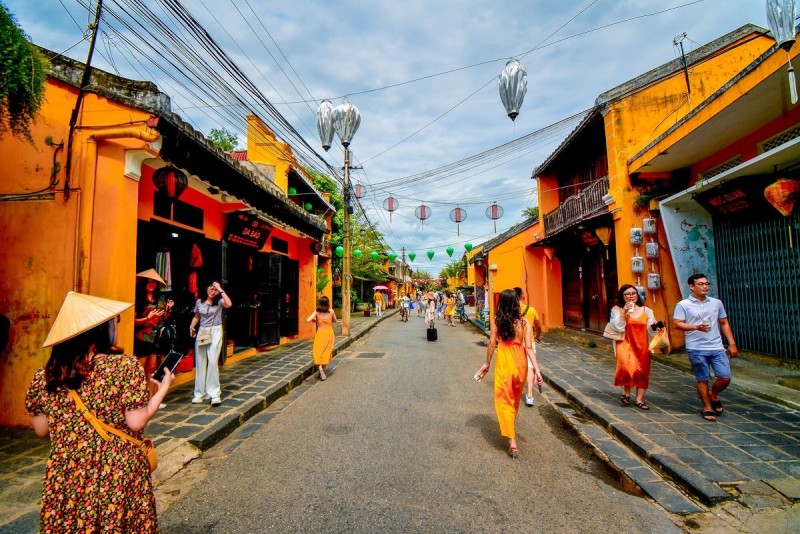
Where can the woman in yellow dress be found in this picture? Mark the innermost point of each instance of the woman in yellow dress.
(450, 309)
(323, 341)
(511, 335)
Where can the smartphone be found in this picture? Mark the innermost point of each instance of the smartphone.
(170, 362)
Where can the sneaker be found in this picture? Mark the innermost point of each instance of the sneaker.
(322, 373)
(162, 406)
(529, 400)
(198, 400)
(216, 401)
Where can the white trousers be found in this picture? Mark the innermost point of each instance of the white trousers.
(378, 306)
(206, 361)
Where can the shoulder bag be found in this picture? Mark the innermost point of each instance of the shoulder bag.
(611, 333)
(103, 428)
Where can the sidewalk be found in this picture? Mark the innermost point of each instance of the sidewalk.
(751, 454)
(182, 430)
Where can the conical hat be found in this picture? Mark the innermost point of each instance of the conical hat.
(80, 313)
(151, 274)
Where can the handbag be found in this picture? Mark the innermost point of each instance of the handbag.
(612, 334)
(103, 428)
(203, 339)
(661, 341)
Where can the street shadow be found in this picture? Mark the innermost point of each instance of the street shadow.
(487, 426)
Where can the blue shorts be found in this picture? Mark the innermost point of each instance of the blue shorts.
(702, 360)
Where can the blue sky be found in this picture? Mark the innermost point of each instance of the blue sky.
(329, 49)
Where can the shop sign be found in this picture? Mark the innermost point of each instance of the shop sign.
(738, 196)
(245, 229)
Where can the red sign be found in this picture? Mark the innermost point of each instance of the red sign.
(248, 230)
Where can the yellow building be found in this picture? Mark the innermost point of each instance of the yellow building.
(83, 212)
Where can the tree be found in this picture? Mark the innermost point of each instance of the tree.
(223, 139)
(23, 71)
(531, 213)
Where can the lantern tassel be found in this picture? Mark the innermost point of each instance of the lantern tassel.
(789, 228)
(792, 85)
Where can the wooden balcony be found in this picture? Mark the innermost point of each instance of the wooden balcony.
(587, 202)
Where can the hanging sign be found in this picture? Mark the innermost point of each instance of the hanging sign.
(245, 229)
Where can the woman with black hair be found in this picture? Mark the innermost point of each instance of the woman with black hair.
(511, 335)
(322, 350)
(92, 484)
(631, 317)
(152, 313)
(208, 343)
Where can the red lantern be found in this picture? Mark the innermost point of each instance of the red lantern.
(494, 212)
(422, 212)
(390, 204)
(170, 181)
(458, 216)
(359, 190)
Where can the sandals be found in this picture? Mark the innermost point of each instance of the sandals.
(709, 416)
(642, 406)
(717, 407)
(513, 452)
(625, 400)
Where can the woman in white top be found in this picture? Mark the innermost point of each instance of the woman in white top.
(208, 343)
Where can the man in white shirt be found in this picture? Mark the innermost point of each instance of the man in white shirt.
(703, 318)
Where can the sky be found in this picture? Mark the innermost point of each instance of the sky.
(424, 77)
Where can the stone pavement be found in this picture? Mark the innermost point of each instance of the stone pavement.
(182, 430)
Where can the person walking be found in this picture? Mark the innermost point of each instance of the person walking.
(208, 343)
(510, 334)
(529, 313)
(703, 318)
(324, 338)
(420, 305)
(377, 298)
(90, 484)
(405, 302)
(631, 317)
(450, 309)
(430, 313)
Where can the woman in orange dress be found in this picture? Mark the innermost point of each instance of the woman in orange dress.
(632, 317)
(511, 335)
(323, 340)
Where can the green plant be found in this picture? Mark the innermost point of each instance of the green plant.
(642, 203)
(591, 344)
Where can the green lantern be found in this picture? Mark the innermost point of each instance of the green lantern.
(450, 251)
(292, 191)
(468, 246)
(339, 251)
(308, 206)
(373, 255)
(429, 254)
(357, 253)
(412, 255)
(319, 270)
(392, 256)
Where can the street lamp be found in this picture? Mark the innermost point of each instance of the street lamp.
(344, 119)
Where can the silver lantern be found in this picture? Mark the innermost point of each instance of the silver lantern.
(513, 83)
(780, 17)
(346, 120)
(325, 123)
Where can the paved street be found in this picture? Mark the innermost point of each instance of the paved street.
(401, 438)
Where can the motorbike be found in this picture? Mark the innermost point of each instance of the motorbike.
(462, 313)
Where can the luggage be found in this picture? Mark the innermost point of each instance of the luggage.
(433, 335)
(367, 312)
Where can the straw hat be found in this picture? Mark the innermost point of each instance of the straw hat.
(151, 274)
(80, 313)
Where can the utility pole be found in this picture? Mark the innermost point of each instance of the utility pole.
(403, 271)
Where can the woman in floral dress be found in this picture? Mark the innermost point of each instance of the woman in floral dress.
(92, 485)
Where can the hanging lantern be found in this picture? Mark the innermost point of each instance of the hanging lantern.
(468, 247)
(422, 212)
(339, 251)
(651, 250)
(346, 120)
(392, 256)
(319, 270)
(653, 281)
(494, 212)
(429, 254)
(637, 264)
(636, 236)
(783, 194)
(649, 225)
(641, 291)
(458, 215)
(390, 205)
(292, 191)
(308, 206)
(412, 255)
(550, 252)
(170, 182)
(780, 17)
(357, 253)
(325, 123)
(513, 83)
(374, 255)
(604, 234)
(450, 251)
(359, 190)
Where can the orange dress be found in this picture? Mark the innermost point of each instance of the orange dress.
(323, 341)
(510, 372)
(633, 355)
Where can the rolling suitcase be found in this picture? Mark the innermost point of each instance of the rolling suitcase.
(433, 335)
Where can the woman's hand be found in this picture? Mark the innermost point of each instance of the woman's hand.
(170, 304)
(165, 382)
(155, 314)
(192, 331)
(216, 286)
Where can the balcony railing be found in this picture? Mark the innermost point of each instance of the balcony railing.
(586, 202)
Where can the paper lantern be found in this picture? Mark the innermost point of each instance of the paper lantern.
(422, 212)
(319, 270)
(373, 255)
(339, 251)
(170, 182)
(429, 254)
(412, 255)
(783, 194)
(468, 247)
(494, 212)
(649, 225)
(392, 256)
(653, 281)
(450, 251)
(604, 234)
(390, 204)
(359, 190)
(637, 264)
(308, 206)
(636, 236)
(325, 123)
(357, 253)
(550, 252)
(651, 250)
(292, 191)
(513, 84)
(458, 215)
